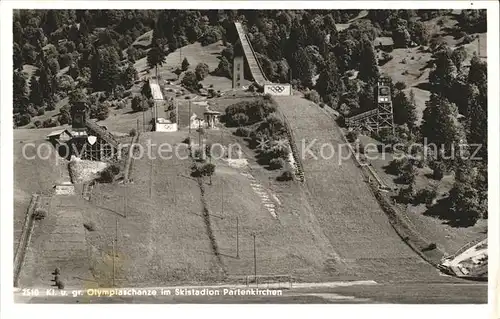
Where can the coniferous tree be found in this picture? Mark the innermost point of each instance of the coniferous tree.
(443, 76)
(465, 203)
(401, 106)
(303, 68)
(146, 90)
(18, 33)
(18, 57)
(156, 57)
(46, 82)
(185, 64)
(19, 92)
(129, 76)
(52, 21)
(36, 95)
(105, 73)
(329, 84)
(441, 126)
(412, 112)
(368, 69)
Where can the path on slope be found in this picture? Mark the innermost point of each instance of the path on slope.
(350, 216)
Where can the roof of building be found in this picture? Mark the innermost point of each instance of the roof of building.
(212, 112)
(103, 133)
(155, 91)
(383, 41)
(58, 132)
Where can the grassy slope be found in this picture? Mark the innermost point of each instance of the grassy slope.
(291, 244)
(417, 73)
(448, 238)
(417, 65)
(31, 176)
(163, 238)
(59, 241)
(350, 216)
(195, 53)
(144, 40)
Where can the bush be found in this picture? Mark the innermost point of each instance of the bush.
(22, 119)
(277, 163)
(64, 118)
(224, 68)
(39, 214)
(41, 111)
(256, 110)
(431, 246)
(201, 71)
(199, 170)
(438, 170)
(190, 82)
(60, 284)
(211, 35)
(396, 166)
(109, 173)
(425, 196)
(90, 226)
(242, 131)
(133, 132)
(120, 104)
(50, 123)
(386, 57)
(313, 96)
(199, 155)
(240, 119)
(139, 104)
(352, 136)
(66, 83)
(408, 175)
(285, 176)
(185, 64)
(101, 111)
(38, 123)
(172, 116)
(468, 39)
(406, 194)
(208, 169)
(51, 104)
(400, 85)
(119, 90)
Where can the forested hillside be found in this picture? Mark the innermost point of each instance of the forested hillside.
(61, 56)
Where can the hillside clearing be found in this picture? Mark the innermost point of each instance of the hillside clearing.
(195, 53)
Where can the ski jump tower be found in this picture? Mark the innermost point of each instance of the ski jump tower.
(243, 50)
(380, 118)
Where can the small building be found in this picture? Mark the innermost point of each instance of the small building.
(211, 118)
(384, 43)
(59, 136)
